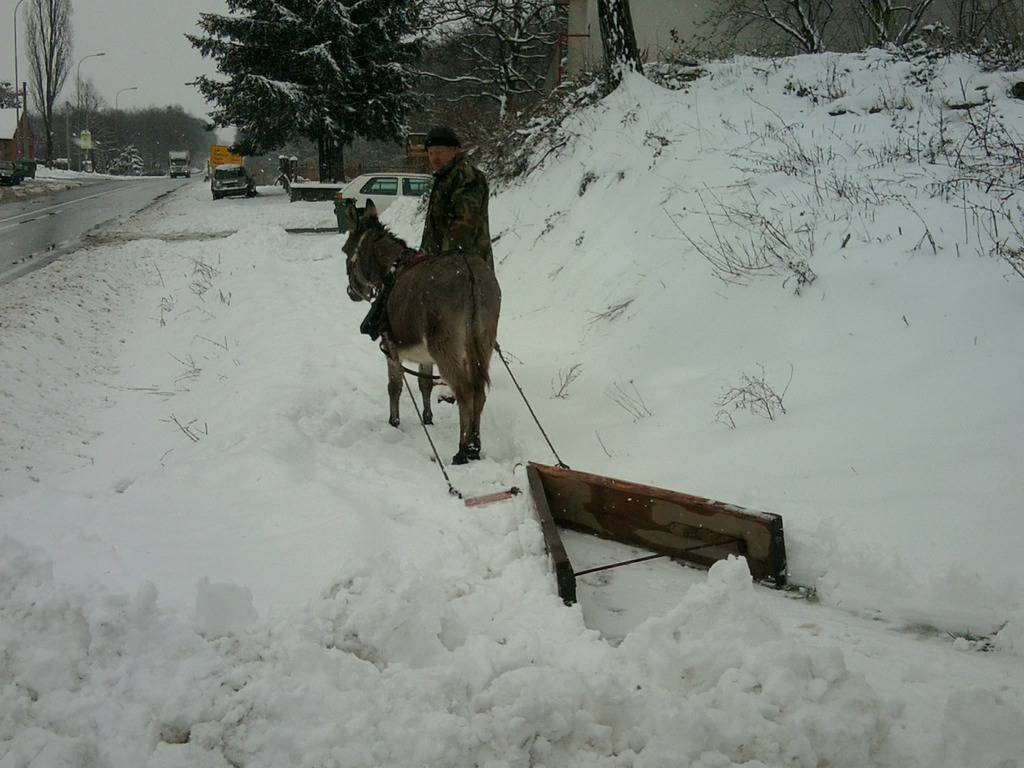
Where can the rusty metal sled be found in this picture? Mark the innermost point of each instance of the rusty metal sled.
(689, 528)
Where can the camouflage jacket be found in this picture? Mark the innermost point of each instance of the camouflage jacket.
(457, 213)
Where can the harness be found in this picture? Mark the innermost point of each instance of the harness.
(376, 321)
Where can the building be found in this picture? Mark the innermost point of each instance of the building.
(653, 22)
(16, 138)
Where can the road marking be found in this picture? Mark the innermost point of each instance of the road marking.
(69, 202)
(28, 221)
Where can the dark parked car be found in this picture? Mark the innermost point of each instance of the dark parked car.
(231, 179)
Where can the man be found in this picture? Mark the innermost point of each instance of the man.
(457, 213)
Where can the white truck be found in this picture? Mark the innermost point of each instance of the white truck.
(179, 163)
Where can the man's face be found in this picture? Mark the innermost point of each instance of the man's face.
(440, 157)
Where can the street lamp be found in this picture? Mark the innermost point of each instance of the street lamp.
(78, 81)
(116, 115)
(17, 83)
(130, 88)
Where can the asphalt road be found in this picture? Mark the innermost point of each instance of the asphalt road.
(36, 231)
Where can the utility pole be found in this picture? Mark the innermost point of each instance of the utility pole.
(17, 83)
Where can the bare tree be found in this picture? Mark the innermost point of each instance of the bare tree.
(90, 101)
(803, 22)
(974, 20)
(618, 38)
(496, 51)
(48, 27)
(893, 21)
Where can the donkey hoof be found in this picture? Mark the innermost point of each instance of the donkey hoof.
(428, 419)
(394, 422)
(466, 455)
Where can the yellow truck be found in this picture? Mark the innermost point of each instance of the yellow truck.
(221, 155)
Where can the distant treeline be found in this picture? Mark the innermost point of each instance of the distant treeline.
(153, 131)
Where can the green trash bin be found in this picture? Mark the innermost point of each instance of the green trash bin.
(26, 169)
(339, 214)
(340, 206)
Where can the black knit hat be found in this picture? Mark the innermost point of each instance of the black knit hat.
(441, 136)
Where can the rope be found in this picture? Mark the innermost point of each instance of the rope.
(451, 488)
(418, 375)
(562, 464)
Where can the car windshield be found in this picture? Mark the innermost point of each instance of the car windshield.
(228, 173)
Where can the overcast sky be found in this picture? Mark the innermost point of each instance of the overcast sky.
(145, 46)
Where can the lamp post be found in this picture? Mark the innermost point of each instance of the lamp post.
(17, 83)
(78, 79)
(116, 115)
(129, 88)
(78, 85)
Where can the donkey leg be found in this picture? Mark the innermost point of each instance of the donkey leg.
(426, 386)
(463, 390)
(394, 389)
(473, 440)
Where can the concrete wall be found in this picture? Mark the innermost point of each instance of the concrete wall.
(652, 20)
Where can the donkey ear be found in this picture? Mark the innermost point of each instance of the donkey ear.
(371, 210)
(351, 215)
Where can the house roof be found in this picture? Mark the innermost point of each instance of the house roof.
(8, 123)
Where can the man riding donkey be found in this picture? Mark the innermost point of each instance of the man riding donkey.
(438, 305)
(456, 215)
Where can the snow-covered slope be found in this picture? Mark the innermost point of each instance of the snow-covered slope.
(894, 463)
(216, 552)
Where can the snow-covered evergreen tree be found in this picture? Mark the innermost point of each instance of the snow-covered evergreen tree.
(8, 96)
(128, 162)
(329, 70)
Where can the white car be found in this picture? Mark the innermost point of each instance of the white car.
(384, 188)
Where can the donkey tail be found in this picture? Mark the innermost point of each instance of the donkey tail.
(480, 358)
(480, 341)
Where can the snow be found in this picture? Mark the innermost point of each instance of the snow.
(216, 552)
(42, 172)
(193, 211)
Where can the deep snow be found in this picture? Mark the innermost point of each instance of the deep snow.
(217, 552)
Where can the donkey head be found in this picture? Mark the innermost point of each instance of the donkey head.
(363, 261)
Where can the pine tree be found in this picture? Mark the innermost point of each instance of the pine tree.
(8, 96)
(329, 70)
(128, 162)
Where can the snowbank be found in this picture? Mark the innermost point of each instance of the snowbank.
(218, 553)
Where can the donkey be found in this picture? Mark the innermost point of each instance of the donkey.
(442, 310)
